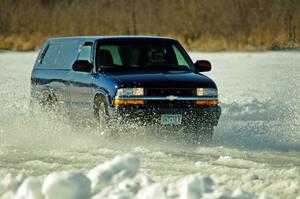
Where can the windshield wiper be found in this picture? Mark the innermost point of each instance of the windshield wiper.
(168, 67)
(121, 68)
(146, 68)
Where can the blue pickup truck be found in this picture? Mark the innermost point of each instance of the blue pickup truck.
(129, 78)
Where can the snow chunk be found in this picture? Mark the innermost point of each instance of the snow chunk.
(224, 193)
(154, 191)
(67, 185)
(266, 196)
(144, 180)
(229, 161)
(240, 194)
(202, 164)
(8, 195)
(30, 189)
(11, 183)
(114, 171)
(194, 186)
(141, 150)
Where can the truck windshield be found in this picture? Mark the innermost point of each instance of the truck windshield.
(142, 56)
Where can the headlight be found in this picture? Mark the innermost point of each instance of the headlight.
(130, 92)
(207, 92)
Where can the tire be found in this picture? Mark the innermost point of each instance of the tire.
(101, 114)
(47, 103)
(201, 135)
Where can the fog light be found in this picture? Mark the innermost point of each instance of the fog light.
(128, 102)
(207, 102)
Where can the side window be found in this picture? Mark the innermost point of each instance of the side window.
(60, 55)
(180, 58)
(67, 55)
(85, 52)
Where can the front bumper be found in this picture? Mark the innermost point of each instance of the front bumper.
(202, 115)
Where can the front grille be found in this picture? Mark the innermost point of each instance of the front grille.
(170, 91)
(170, 104)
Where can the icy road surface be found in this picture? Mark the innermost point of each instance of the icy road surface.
(256, 147)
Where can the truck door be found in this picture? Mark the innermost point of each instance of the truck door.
(81, 85)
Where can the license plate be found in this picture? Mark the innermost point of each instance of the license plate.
(170, 119)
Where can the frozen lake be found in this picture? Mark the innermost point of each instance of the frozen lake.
(256, 146)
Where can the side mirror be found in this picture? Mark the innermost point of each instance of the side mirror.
(202, 66)
(82, 66)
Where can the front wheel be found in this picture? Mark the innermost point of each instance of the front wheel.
(101, 114)
(105, 124)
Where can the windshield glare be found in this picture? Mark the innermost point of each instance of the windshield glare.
(141, 56)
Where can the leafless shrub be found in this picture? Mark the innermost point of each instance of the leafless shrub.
(199, 24)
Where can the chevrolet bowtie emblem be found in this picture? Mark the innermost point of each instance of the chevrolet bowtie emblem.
(171, 97)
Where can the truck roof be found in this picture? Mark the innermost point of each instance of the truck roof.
(94, 38)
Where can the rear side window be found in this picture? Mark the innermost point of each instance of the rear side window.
(61, 55)
(85, 52)
(51, 55)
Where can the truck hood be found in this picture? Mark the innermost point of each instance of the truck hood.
(168, 79)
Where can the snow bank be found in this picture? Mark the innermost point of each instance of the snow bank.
(117, 179)
(194, 186)
(119, 168)
(115, 175)
(156, 190)
(9, 183)
(30, 189)
(67, 185)
(235, 162)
